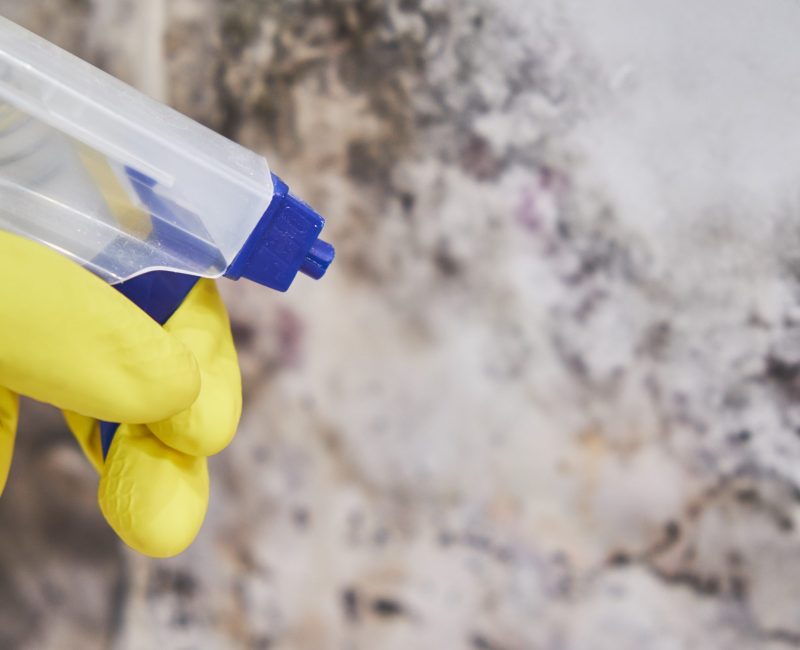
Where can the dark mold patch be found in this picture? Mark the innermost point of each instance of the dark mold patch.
(388, 607)
(350, 604)
(479, 641)
(180, 583)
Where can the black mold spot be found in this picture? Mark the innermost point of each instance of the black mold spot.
(388, 607)
(300, 517)
(738, 587)
(740, 437)
(262, 643)
(672, 531)
(243, 333)
(620, 558)
(705, 586)
(407, 201)
(446, 538)
(229, 105)
(368, 162)
(238, 30)
(478, 159)
(785, 373)
(179, 583)
(480, 642)
(445, 262)
(409, 5)
(350, 604)
(184, 584)
(747, 495)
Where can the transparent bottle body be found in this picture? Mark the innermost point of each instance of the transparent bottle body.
(115, 180)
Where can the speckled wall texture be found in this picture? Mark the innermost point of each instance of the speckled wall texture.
(548, 398)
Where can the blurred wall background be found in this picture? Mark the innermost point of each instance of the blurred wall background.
(547, 396)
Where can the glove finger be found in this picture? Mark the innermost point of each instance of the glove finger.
(208, 425)
(9, 415)
(87, 432)
(153, 496)
(69, 339)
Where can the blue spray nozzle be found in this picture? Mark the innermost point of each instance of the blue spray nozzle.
(285, 241)
(318, 259)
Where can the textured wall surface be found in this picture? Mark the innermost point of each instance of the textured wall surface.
(547, 397)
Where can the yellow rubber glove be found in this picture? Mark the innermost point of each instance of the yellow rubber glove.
(69, 339)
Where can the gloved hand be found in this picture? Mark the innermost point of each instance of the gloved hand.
(69, 339)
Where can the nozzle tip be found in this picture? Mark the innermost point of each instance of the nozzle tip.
(318, 259)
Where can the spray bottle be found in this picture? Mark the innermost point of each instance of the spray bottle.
(144, 197)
